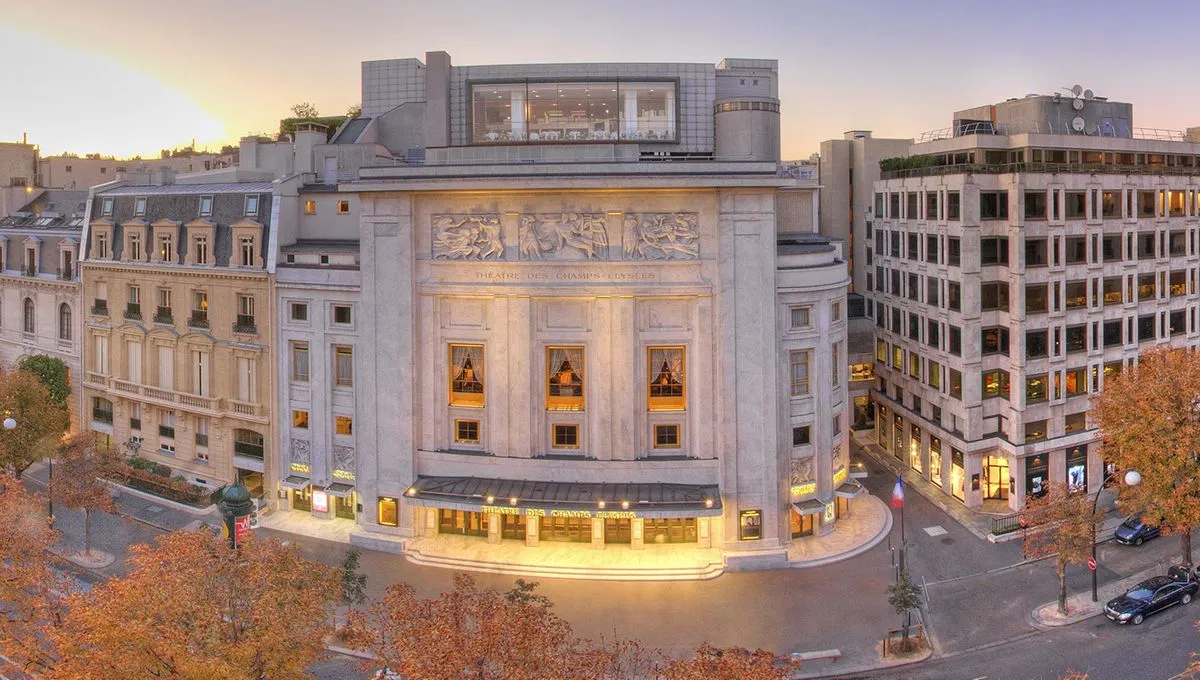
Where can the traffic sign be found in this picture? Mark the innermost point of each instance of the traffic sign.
(1092, 563)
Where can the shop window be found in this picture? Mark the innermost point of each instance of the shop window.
(343, 425)
(666, 437)
(466, 375)
(566, 436)
(564, 379)
(466, 431)
(801, 435)
(802, 525)
(300, 419)
(670, 530)
(667, 379)
(389, 511)
(798, 361)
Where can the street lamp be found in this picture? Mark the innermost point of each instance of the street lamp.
(1132, 478)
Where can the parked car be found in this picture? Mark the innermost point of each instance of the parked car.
(1150, 597)
(1133, 532)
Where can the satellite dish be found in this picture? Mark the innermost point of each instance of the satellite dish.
(1057, 97)
(1077, 104)
(1077, 123)
(1077, 90)
(1088, 94)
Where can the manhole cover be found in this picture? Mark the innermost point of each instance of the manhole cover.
(947, 541)
(935, 530)
(154, 509)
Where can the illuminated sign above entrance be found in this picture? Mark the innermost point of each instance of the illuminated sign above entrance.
(539, 512)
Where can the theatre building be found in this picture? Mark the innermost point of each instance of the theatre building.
(594, 311)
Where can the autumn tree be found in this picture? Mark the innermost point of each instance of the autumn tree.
(1149, 417)
(735, 663)
(192, 607)
(77, 483)
(1059, 523)
(39, 421)
(31, 590)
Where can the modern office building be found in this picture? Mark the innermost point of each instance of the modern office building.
(39, 282)
(593, 310)
(1018, 259)
(179, 334)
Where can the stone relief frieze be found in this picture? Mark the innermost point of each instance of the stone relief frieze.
(662, 236)
(563, 236)
(343, 458)
(801, 471)
(301, 452)
(467, 237)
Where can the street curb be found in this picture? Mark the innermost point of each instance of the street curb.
(346, 651)
(196, 512)
(853, 552)
(1134, 578)
(858, 671)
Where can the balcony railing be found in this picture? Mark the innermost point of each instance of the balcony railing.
(133, 311)
(245, 324)
(166, 431)
(102, 415)
(100, 307)
(168, 398)
(66, 273)
(29, 270)
(198, 319)
(248, 450)
(163, 315)
(242, 408)
(96, 379)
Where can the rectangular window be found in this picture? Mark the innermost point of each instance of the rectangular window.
(166, 249)
(914, 244)
(953, 206)
(310, 207)
(835, 368)
(953, 251)
(995, 340)
(135, 247)
(247, 251)
(798, 360)
(389, 511)
(343, 425)
(1076, 205)
(201, 243)
(993, 251)
(1077, 383)
(1036, 298)
(1077, 338)
(1036, 344)
(251, 204)
(299, 362)
(800, 317)
(801, 435)
(956, 383)
(564, 379)
(1076, 294)
(566, 436)
(931, 247)
(931, 205)
(466, 375)
(1076, 250)
(343, 207)
(1075, 422)
(1035, 388)
(206, 206)
(343, 366)
(993, 296)
(466, 431)
(300, 420)
(666, 436)
(993, 205)
(956, 341)
(1035, 205)
(1035, 430)
(139, 206)
(106, 208)
(298, 311)
(932, 286)
(995, 384)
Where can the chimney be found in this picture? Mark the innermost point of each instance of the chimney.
(308, 136)
(437, 99)
(248, 153)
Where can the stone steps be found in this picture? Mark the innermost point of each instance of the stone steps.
(696, 573)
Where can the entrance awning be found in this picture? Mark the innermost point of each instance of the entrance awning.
(294, 482)
(850, 489)
(811, 506)
(657, 499)
(340, 490)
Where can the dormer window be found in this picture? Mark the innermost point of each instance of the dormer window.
(165, 248)
(247, 251)
(106, 208)
(206, 203)
(252, 205)
(201, 255)
(135, 247)
(139, 206)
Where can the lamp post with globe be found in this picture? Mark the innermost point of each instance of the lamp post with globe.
(1132, 478)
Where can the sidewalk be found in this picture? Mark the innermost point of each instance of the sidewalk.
(1080, 605)
(867, 525)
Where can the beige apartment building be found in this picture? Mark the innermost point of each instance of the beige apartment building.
(178, 340)
(75, 172)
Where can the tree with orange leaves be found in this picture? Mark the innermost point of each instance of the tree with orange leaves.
(735, 663)
(31, 591)
(1149, 417)
(78, 485)
(40, 421)
(193, 607)
(1059, 523)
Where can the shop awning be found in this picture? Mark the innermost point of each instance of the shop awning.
(294, 482)
(850, 489)
(657, 499)
(811, 506)
(340, 490)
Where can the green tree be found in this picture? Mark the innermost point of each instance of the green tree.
(354, 111)
(52, 372)
(354, 583)
(305, 110)
(904, 596)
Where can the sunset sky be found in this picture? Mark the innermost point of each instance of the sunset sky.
(135, 76)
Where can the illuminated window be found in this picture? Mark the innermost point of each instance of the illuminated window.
(466, 375)
(564, 379)
(667, 379)
(389, 511)
(566, 436)
(466, 431)
(343, 366)
(666, 436)
(165, 247)
(300, 420)
(798, 361)
(343, 207)
(201, 243)
(310, 207)
(343, 425)
(863, 371)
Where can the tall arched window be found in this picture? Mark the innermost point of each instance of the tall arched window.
(64, 322)
(29, 315)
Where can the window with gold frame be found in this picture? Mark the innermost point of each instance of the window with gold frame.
(666, 436)
(564, 379)
(389, 515)
(466, 375)
(667, 389)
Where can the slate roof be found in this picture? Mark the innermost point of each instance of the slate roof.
(191, 189)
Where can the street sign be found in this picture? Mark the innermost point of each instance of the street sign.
(1092, 563)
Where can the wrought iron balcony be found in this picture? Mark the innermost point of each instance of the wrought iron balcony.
(198, 319)
(100, 307)
(163, 315)
(133, 311)
(245, 324)
(102, 415)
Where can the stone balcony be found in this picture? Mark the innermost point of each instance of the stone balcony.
(184, 401)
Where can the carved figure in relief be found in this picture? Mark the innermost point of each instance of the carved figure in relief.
(662, 236)
(467, 237)
(343, 458)
(801, 470)
(543, 236)
(300, 451)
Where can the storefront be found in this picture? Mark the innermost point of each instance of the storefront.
(1077, 468)
(1037, 475)
(338, 500)
(995, 478)
(957, 475)
(935, 460)
(632, 515)
(914, 449)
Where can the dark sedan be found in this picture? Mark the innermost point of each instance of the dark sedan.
(1150, 597)
(1133, 532)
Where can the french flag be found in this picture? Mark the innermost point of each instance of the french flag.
(898, 493)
